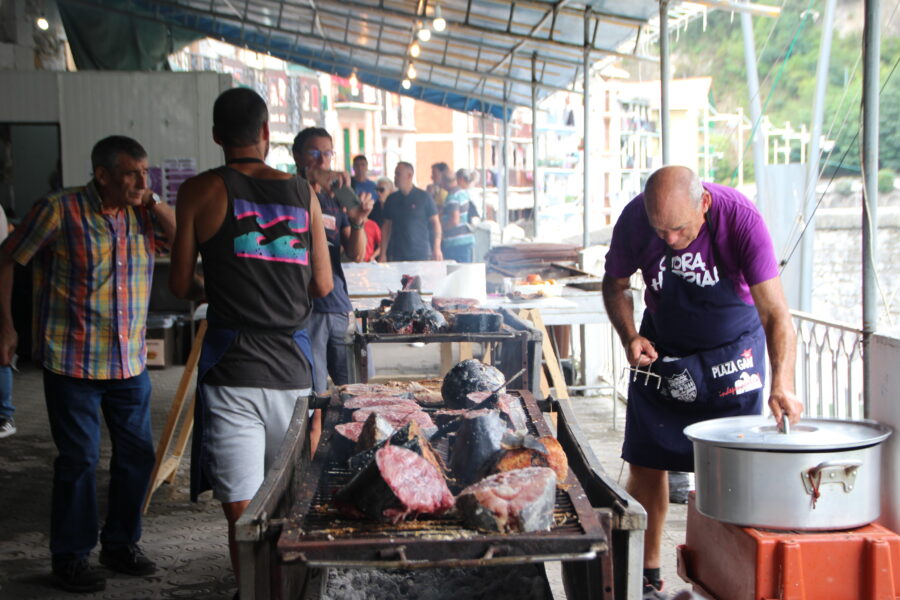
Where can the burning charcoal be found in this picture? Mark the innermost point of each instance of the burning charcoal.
(476, 443)
(397, 484)
(515, 501)
(469, 376)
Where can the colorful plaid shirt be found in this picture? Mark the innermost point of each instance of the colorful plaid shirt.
(91, 283)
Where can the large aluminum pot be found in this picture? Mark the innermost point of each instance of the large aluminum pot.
(824, 474)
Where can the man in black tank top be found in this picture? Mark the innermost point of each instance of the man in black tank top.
(261, 237)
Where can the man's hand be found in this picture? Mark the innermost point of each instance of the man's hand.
(359, 214)
(437, 254)
(640, 351)
(785, 402)
(9, 340)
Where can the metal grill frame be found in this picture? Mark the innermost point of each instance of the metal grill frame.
(581, 537)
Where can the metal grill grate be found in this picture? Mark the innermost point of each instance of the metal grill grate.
(320, 534)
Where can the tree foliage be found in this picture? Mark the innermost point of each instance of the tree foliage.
(787, 56)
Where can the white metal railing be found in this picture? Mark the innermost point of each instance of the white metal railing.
(829, 367)
(828, 375)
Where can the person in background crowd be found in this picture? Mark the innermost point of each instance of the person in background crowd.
(441, 182)
(95, 248)
(361, 182)
(713, 297)
(329, 322)
(384, 187)
(459, 241)
(412, 230)
(373, 241)
(7, 409)
(259, 232)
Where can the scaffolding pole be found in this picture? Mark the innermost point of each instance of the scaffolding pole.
(665, 77)
(534, 145)
(585, 202)
(871, 63)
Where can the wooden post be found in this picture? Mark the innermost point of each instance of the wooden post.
(165, 468)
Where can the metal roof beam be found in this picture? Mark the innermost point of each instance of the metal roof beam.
(758, 10)
(502, 33)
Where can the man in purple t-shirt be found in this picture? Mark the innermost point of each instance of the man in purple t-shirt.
(714, 305)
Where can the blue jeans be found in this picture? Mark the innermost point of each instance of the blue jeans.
(328, 333)
(461, 253)
(73, 408)
(6, 406)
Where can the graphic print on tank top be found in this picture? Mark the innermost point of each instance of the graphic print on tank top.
(270, 232)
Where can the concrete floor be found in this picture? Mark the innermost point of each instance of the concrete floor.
(187, 540)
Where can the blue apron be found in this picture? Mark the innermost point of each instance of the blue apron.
(711, 364)
(215, 344)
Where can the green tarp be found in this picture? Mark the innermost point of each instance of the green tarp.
(112, 41)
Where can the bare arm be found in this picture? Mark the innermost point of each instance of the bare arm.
(164, 215)
(385, 240)
(354, 237)
(9, 339)
(620, 307)
(322, 282)
(781, 344)
(436, 253)
(183, 281)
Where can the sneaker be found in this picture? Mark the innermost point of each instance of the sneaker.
(129, 560)
(652, 592)
(77, 576)
(7, 427)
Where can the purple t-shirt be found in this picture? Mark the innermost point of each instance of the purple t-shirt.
(742, 241)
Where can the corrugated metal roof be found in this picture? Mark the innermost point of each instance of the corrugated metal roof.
(488, 55)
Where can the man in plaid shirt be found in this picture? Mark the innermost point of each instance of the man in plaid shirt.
(93, 249)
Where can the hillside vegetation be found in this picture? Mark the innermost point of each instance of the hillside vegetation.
(787, 54)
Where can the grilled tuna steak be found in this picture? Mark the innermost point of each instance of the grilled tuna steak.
(396, 415)
(470, 375)
(369, 401)
(477, 441)
(375, 429)
(410, 436)
(515, 501)
(397, 484)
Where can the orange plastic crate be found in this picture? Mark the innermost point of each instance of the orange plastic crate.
(727, 562)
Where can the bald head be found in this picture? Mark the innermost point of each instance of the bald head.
(676, 204)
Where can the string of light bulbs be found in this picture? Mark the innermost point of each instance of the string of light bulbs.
(423, 35)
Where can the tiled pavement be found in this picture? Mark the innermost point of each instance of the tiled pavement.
(187, 540)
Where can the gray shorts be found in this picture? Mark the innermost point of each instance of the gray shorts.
(244, 430)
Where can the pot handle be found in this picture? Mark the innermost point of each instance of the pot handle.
(830, 471)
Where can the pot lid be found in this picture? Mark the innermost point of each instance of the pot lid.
(761, 433)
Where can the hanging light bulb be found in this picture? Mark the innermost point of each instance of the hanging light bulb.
(353, 79)
(415, 50)
(424, 34)
(406, 83)
(42, 23)
(411, 71)
(439, 22)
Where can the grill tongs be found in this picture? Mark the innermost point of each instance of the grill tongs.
(490, 402)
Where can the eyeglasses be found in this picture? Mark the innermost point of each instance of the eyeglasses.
(317, 154)
(380, 189)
